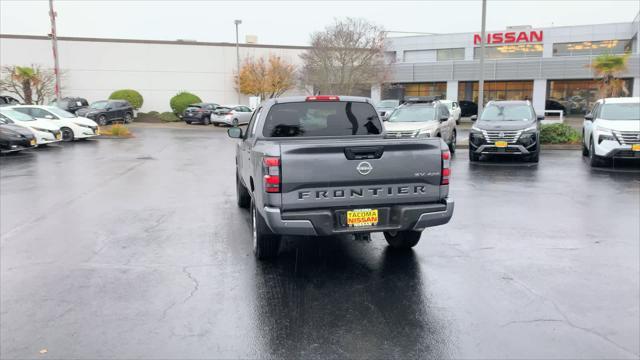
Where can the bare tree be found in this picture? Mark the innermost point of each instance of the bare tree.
(345, 56)
(33, 85)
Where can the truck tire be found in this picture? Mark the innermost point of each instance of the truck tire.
(402, 239)
(265, 244)
(473, 156)
(242, 194)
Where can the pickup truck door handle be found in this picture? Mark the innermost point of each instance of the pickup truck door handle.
(363, 152)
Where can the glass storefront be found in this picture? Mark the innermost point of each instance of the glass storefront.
(576, 97)
(592, 47)
(496, 90)
(426, 89)
(509, 51)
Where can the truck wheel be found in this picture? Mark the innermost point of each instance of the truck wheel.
(452, 146)
(473, 156)
(265, 243)
(402, 239)
(244, 198)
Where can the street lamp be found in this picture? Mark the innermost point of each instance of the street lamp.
(481, 79)
(238, 22)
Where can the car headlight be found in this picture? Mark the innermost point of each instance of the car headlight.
(475, 128)
(424, 133)
(532, 128)
(603, 130)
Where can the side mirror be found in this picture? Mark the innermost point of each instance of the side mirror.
(540, 117)
(444, 118)
(235, 132)
(474, 117)
(589, 117)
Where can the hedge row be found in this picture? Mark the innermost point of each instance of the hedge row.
(178, 103)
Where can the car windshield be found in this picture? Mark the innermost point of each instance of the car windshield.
(16, 115)
(99, 105)
(60, 113)
(628, 111)
(388, 103)
(413, 114)
(507, 112)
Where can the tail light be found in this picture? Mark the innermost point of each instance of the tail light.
(271, 171)
(446, 170)
(323, 98)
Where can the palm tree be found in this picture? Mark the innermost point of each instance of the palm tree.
(27, 77)
(608, 67)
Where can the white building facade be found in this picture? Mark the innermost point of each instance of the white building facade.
(94, 68)
(549, 66)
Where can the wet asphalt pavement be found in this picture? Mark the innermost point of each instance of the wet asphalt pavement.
(136, 249)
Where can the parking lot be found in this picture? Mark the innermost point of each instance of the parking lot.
(135, 249)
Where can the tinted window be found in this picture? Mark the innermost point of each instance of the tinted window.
(630, 111)
(413, 114)
(335, 118)
(507, 112)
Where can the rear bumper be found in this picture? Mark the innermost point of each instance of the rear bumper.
(323, 222)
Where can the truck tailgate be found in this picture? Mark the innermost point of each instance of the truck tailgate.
(359, 172)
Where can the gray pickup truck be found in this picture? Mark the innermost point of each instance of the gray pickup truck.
(321, 165)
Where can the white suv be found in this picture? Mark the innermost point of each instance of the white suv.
(454, 109)
(612, 130)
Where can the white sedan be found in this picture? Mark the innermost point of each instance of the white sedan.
(73, 127)
(233, 115)
(45, 131)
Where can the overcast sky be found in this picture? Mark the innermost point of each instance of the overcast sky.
(291, 22)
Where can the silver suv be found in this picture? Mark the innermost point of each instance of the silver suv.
(422, 117)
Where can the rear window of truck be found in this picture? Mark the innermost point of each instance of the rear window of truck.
(332, 118)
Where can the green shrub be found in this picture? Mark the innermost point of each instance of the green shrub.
(168, 117)
(153, 113)
(180, 102)
(559, 134)
(133, 97)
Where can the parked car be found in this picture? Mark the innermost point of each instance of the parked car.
(106, 111)
(454, 109)
(468, 108)
(71, 104)
(200, 113)
(509, 127)
(72, 127)
(421, 117)
(555, 105)
(385, 107)
(45, 131)
(320, 166)
(8, 100)
(233, 115)
(612, 130)
(14, 137)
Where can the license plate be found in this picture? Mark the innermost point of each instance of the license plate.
(58, 136)
(32, 142)
(362, 217)
(501, 144)
(635, 147)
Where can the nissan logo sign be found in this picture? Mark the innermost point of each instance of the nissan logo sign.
(364, 168)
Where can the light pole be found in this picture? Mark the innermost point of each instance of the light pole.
(482, 41)
(54, 46)
(238, 22)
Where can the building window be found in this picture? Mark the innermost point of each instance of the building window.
(496, 90)
(413, 56)
(509, 51)
(592, 48)
(450, 54)
(576, 97)
(426, 89)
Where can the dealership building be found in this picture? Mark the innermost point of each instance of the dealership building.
(549, 66)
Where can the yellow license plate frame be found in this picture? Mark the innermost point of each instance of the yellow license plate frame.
(635, 147)
(362, 217)
(58, 136)
(501, 144)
